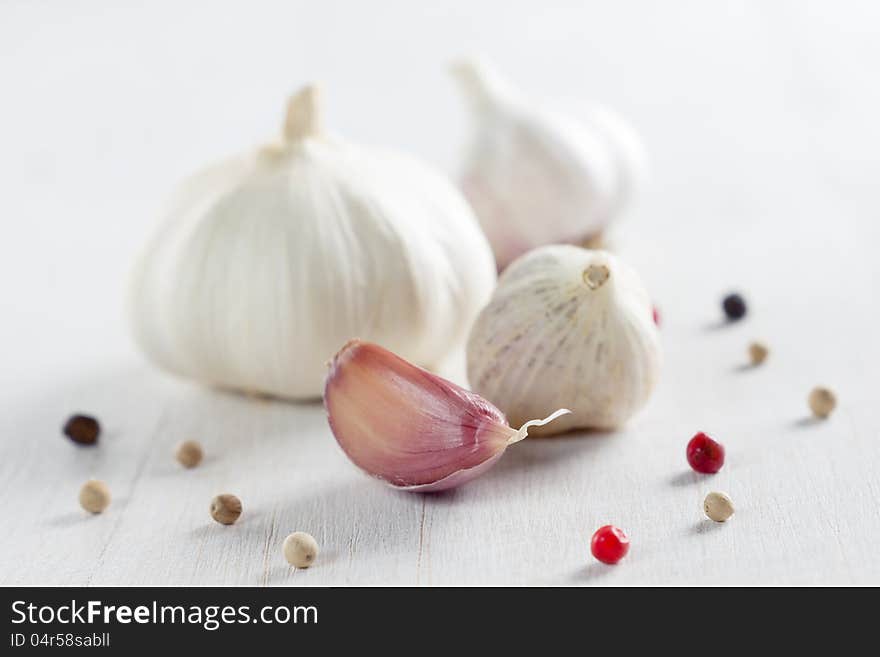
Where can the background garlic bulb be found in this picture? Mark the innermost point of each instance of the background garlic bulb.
(566, 327)
(534, 177)
(268, 262)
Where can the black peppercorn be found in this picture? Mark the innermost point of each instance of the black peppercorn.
(82, 429)
(734, 307)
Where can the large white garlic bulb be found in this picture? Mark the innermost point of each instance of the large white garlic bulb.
(267, 263)
(566, 327)
(535, 177)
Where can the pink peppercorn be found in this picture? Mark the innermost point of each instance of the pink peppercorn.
(704, 454)
(609, 544)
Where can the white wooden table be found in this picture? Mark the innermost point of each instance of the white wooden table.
(761, 119)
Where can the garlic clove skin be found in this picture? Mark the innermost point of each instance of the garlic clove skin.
(566, 327)
(536, 177)
(267, 262)
(412, 429)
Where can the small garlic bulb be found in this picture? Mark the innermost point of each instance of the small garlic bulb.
(269, 261)
(566, 327)
(535, 177)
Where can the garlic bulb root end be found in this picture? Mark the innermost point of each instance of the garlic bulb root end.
(523, 431)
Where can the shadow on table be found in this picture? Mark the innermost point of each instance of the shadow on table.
(69, 519)
(549, 450)
(705, 526)
(806, 422)
(687, 478)
(591, 573)
(718, 325)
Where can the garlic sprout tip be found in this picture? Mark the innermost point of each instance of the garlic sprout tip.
(523, 431)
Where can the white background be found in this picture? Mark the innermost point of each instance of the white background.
(761, 122)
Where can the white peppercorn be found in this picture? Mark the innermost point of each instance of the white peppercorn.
(758, 353)
(718, 506)
(822, 401)
(300, 549)
(94, 496)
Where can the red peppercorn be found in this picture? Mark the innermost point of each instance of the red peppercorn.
(704, 454)
(656, 315)
(609, 544)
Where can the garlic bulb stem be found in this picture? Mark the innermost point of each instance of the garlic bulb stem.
(303, 114)
(523, 431)
(595, 276)
(480, 83)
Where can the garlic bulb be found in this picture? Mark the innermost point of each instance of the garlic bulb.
(267, 262)
(535, 177)
(415, 431)
(566, 327)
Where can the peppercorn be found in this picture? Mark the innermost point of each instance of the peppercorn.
(718, 506)
(189, 453)
(822, 401)
(734, 307)
(300, 549)
(609, 544)
(758, 353)
(94, 496)
(704, 454)
(82, 429)
(225, 508)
